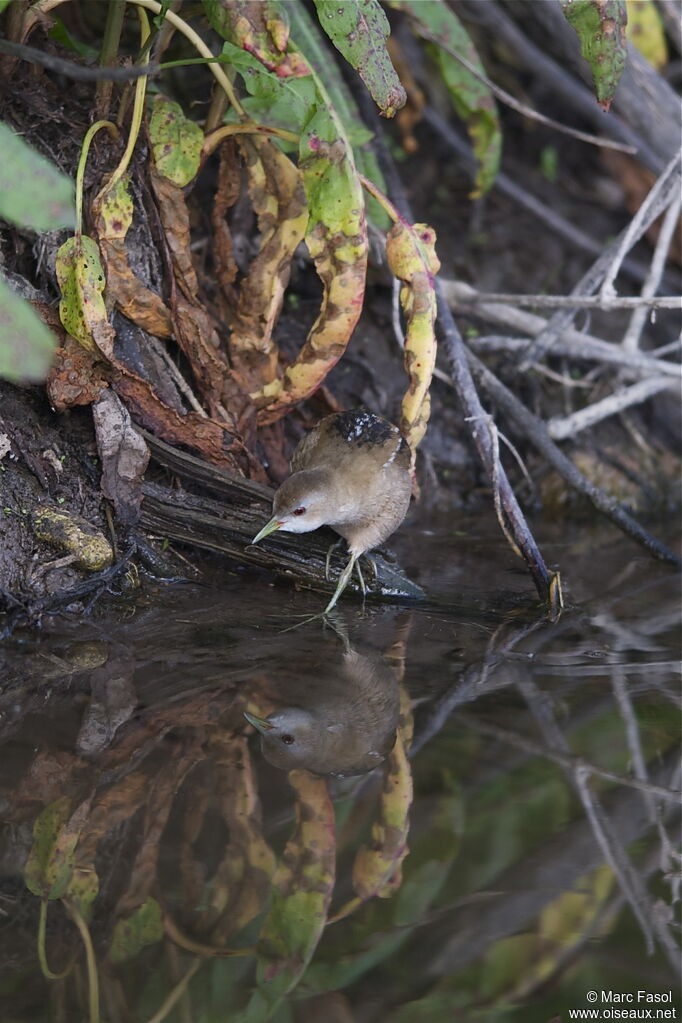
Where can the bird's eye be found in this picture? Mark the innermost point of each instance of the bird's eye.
(287, 739)
(299, 511)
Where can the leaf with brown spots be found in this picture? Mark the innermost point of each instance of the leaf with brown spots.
(112, 212)
(278, 199)
(81, 281)
(227, 193)
(377, 867)
(302, 890)
(337, 241)
(207, 437)
(411, 254)
(260, 27)
(359, 30)
(238, 890)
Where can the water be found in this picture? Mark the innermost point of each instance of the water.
(543, 858)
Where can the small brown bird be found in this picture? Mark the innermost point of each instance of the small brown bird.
(351, 472)
(344, 725)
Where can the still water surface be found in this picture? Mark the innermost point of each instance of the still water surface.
(512, 852)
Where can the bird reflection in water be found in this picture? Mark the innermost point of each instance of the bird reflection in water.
(344, 722)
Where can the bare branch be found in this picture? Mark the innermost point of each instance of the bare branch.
(583, 301)
(561, 427)
(670, 221)
(667, 185)
(571, 342)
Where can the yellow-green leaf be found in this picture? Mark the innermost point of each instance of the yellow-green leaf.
(81, 281)
(646, 31)
(144, 927)
(176, 141)
(302, 890)
(471, 98)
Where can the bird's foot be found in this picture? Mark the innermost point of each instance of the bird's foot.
(344, 579)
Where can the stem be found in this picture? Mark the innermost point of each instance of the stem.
(110, 42)
(382, 199)
(93, 980)
(42, 953)
(245, 128)
(176, 993)
(138, 109)
(201, 48)
(44, 6)
(80, 171)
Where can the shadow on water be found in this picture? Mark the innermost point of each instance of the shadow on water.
(452, 812)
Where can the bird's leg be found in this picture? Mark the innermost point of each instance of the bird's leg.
(343, 582)
(328, 559)
(361, 579)
(369, 560)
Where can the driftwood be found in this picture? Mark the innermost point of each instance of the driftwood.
(229, 522)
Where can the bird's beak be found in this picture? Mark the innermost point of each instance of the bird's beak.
(268, 528)
(260, 724)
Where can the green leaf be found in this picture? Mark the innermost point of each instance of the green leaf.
(4, 4)
(176, 141)
(33, 193)
(60, 33)
(600, 26)
(144, 927)
(277, 102)
(49, 868)
(26, 344)
(344, 106)
(471, 98)
(359, 29)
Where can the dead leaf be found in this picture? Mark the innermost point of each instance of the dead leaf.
(278, 199)
(123, 453)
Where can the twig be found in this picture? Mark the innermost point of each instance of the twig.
(536, 432)
(656, 201)
(511, 101)
(561, 427)
(76, 72)
(582, 301)
(595, 275)
(566, 760)
(651, 284)
(464, 384)
(456, 355)
(494, 440)
(571, 342)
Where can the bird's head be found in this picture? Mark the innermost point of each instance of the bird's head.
(301, 504)
(289, 738)
(293, 737)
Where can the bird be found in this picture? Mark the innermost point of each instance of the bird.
(350, 472)
(344, 723)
